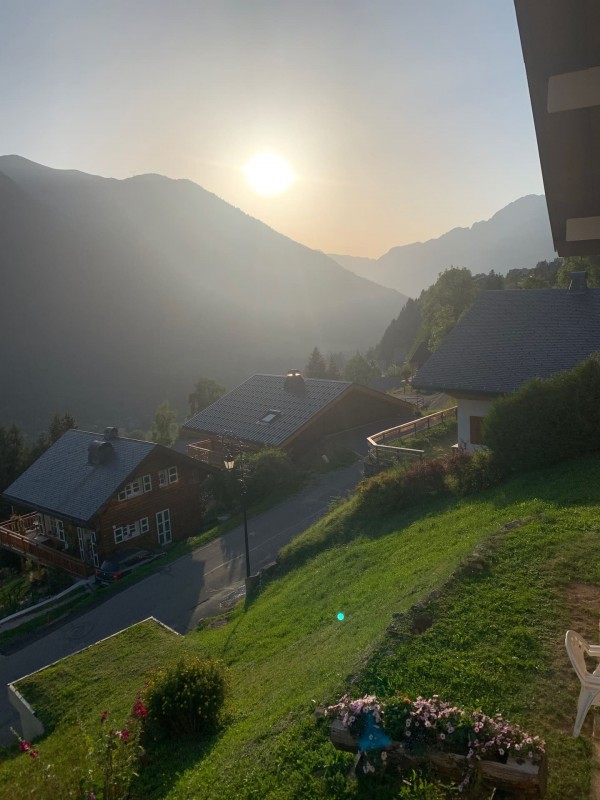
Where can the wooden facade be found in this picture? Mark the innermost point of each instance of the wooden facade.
(356, 407)
(180, 498)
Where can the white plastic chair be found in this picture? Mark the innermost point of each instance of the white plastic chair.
(577, 649)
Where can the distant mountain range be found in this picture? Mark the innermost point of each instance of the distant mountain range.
(119, 294)
(517, 236)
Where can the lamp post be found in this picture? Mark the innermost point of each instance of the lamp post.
(230, 466)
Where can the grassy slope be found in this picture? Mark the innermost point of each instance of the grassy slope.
(492, 643)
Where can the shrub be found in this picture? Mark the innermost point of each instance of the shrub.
(547, 420)
(468, 473)
(186, 698)
(267, 471)
(426, 478)
(399, 487)
(383, 492)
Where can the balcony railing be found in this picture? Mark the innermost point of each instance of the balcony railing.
(21, 535)
(206, 452)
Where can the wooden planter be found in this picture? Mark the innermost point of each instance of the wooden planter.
(522, 779)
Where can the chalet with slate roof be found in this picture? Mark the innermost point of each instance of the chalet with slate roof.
(288, 412)
(95, 495)
(506, 339)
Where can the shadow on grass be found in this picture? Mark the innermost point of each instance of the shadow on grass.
(165, 761)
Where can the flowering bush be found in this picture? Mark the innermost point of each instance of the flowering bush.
(186, 698)
(423, 723)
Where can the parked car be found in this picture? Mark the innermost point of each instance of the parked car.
(121, 564)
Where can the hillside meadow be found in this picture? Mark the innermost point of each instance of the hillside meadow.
(502, 575)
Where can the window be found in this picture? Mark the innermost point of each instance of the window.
(166, 476)
(476, 430)
(163, 526)
(125, 532)
(55, 527)
(133, 489)
(147, 479)
(270, 416)
(88, 551)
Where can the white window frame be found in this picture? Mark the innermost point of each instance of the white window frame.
(82, 534)
(163, 527)
(133, 489)
(167, 476)
(123, 533)
(147, 483)
(55, 527)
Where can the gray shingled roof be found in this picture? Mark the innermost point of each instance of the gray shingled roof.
(509, 337)
(61, 481)
(241, 409)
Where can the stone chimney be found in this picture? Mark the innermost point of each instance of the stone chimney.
(578, 283)
(99, 452)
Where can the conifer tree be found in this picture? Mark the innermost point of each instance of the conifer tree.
(316, 367)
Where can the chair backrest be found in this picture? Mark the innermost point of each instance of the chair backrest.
(576, 649)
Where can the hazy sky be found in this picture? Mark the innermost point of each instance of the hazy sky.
(402, 119)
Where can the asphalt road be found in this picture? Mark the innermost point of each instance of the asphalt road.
(183, 592)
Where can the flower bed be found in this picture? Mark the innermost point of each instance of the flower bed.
(466, 747)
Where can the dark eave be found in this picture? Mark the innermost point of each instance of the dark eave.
(561, 49)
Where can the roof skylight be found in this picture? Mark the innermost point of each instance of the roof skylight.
(270, 416)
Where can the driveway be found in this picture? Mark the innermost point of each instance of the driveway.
(183, 592)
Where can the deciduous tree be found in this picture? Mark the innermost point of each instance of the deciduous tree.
(360, 370)
(205, 393)
(164, 428)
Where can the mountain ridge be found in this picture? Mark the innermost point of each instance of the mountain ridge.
(501, 242)
(125, 291)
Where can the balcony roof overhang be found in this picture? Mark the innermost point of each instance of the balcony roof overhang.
(561, 50)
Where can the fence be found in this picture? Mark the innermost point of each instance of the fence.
(380, 451)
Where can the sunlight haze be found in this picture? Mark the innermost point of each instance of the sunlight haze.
(403, 119)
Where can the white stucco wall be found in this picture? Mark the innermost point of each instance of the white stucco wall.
(467, 409)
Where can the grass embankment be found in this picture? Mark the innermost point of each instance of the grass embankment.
(495, 642)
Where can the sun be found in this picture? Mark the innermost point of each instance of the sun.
(269, 174)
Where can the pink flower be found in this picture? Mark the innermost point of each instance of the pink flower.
(103, 717)
(139, 710)
(24, 746)
(124, 735)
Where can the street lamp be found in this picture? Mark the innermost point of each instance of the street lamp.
(230, 466)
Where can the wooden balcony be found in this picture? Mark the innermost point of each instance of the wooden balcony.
(23, 536)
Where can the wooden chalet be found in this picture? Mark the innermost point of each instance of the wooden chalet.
(90, 496)
(289, 412)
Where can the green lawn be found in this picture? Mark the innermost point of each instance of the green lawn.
(495, 643)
